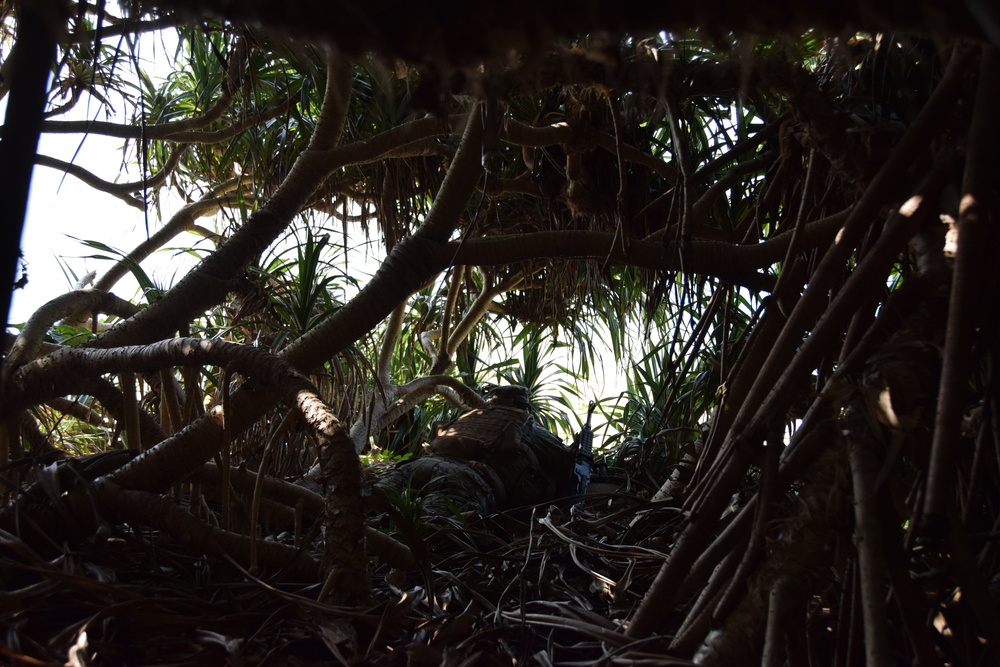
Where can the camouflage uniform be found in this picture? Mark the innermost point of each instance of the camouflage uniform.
(491, 458)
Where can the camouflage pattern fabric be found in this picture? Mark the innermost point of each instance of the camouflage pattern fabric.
(492, 458)
(445, 486)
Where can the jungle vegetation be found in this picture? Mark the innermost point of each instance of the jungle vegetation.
(777, 225)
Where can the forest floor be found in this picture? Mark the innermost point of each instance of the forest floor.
(545, 585)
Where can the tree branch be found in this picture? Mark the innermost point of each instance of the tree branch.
(66, 306)
(978, 219)
(732, 262)
(407, 397)
(747, 426)
(119, 190)
(212, 280)
(182, 221)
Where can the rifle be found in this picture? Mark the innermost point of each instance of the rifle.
(584, 454)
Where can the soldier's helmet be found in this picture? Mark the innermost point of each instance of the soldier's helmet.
(513, 395)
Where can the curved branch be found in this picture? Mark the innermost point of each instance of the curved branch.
(142, 508)
(75, 409)
(408, 265)
(119, 27)
(72, 370)
(230, 131)
(204, 288)
(336, 99)
(389, 338)
(393, 142)
(66, 306)
(769, 131)
(466, 396)
(69, 104)
(290, 495)
(119, 190)
(732, 262)
(230, 83)
(451, 303)
(394, 281)
(189, 131)
(68, 370)
(700, 208)
(422, 148)
(409, 396)
(182, 221)
(212, 280)
(472, 316)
